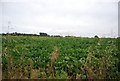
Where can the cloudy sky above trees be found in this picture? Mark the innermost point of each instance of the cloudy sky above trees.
(61, 17)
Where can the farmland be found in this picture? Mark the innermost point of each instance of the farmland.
(30, 57)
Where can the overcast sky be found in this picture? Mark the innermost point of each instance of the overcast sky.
(61, 17)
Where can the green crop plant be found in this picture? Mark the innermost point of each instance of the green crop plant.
(30, 57)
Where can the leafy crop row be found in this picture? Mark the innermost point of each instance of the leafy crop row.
(79, 58)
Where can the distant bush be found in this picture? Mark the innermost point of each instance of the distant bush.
(43, 34)
(96, 36)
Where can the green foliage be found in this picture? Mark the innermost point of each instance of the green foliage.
(78, 57)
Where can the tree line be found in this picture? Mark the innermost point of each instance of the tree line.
(24, 34)
(40, 34)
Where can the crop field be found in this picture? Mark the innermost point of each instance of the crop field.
(30, 57)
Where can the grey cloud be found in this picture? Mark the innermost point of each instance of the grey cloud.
(62, 16)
